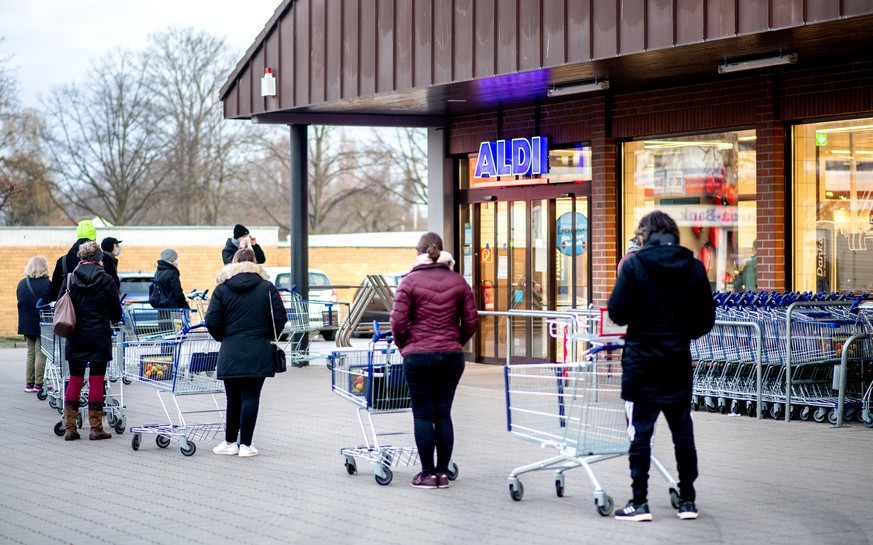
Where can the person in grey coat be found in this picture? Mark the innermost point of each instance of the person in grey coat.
(239, 316)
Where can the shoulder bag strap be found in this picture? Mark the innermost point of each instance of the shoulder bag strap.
(272, 317)
(27, 279)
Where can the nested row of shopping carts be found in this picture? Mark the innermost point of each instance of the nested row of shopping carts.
(787, 355)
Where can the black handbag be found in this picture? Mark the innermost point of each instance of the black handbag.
(279, 363)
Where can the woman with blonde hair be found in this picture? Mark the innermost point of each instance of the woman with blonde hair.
(33, 288)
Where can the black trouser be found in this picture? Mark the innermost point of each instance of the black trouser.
(243, 400)
(641, 425)
(433, 378)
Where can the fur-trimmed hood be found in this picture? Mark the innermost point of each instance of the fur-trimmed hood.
(232, 269)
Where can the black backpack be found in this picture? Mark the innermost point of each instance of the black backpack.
(157, 297)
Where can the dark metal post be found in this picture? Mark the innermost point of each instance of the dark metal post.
(299, 210)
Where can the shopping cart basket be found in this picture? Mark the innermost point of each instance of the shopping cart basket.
(575, 408)
(373, 381)
(184, 369)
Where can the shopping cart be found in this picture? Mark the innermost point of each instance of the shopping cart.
(142, 322)
(373, 381)
(307, 318)
(53, 347)
(184, 369)
(575, 408)
(113, 399)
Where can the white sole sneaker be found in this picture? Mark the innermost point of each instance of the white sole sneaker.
(247, 451)
(229, 449)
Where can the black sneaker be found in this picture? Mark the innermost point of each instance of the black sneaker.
(634, 512)
(687, 510)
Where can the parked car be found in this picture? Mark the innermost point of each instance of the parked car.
(319, 290)
(135, 286)
(376, 311)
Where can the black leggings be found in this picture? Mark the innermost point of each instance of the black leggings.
(243, 400)
(433, 378)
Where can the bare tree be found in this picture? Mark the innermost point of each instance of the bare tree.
(104, 144)
(203, 161)
(405, 150)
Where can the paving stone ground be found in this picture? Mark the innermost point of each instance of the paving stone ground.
(761, 481)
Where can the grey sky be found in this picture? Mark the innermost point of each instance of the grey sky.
(53, 42)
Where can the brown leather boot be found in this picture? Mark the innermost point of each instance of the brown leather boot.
(71, 411)
(95, 418)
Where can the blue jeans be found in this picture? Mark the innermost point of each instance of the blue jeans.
(433, 378)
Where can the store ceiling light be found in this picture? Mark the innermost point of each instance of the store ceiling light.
(752, 64)
(574, 88)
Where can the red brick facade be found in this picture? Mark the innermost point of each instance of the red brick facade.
(767, 102)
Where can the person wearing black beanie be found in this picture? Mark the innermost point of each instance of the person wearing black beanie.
(111, 249)
(242, 239)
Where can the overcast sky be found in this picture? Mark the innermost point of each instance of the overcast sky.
(53, 42)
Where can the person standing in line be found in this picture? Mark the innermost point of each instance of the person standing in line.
(245, 314)
(242, 239)
(95, 300)
(434, 315)
(747, 279)
(85, 231)
(32, 288)
(111, 247)
(166, 289)
(664, 297)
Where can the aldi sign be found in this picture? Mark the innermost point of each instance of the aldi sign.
(516, 157)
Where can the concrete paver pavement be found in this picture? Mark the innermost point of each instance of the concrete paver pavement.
(764, 482)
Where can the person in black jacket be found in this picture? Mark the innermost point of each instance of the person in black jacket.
(66, 263)
(33, 287)
(166, 289)
(663, 296)
(239, 316)
(111, 250)
(95, 300)
(242, 239)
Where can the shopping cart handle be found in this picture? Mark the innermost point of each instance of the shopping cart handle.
(601, 348)
(189, 328)
(378, 335)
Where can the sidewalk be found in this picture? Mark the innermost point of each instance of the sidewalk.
(761, 482)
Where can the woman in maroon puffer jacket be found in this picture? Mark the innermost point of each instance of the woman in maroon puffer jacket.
(434, 316)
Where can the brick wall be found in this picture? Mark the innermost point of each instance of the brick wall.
(198, 266)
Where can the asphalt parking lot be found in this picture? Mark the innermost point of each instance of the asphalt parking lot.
(761, 481)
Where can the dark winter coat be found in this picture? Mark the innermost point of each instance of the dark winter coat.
(239, 317)
(95, 299)
(110, 265)
(71, 260)
(28, 314)
(167, 277)
(434, 311)
(230, 248)
(663, 296)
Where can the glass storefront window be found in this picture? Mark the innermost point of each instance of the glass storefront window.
(832, 194)
(706, 183)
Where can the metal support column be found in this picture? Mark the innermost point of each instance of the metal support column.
(299, 210)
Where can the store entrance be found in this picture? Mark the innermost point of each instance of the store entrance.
(525, 250)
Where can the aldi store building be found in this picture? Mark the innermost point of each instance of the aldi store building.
(555, 125)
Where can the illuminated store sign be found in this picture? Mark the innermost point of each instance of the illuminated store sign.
(516, 157)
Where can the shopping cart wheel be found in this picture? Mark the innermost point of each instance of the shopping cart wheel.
(559, 485)
(120, 425)
(805, 413)
(135, 441)
(126, 380)
(820, 414)
(832, 416)
(351, 466)
(60, 429)
(750, 409)
(42, 394)
(111, 419)
(453, 471)
(516, 490)
(385, 477)
(869, 421)
(849, 413)
(675, 500)
(608, 505)
(59, 405)
(189, 449)
(162, 441)
(53, 403)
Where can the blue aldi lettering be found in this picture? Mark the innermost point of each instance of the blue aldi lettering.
(525, 157)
